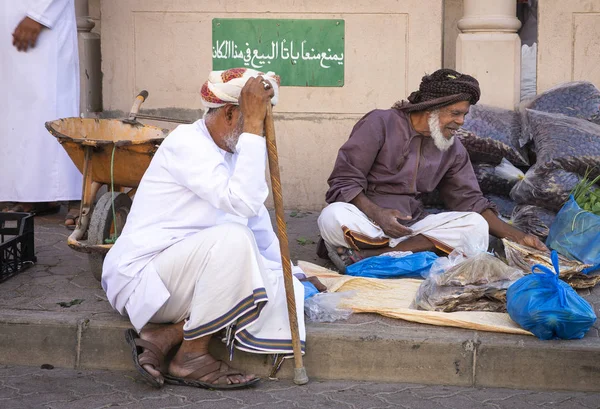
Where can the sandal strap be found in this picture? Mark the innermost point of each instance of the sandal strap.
(205, 370)
(213, 372)
(151, 355)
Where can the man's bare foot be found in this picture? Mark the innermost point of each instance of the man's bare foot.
(165, 338)
(204, 367)
(194, 366)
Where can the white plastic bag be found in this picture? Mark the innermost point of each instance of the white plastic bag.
(508, 171)
(323, 307)
(528, 71)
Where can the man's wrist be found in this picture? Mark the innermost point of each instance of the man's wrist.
(254, 127)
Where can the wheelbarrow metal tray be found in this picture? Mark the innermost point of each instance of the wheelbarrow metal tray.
(134, 144)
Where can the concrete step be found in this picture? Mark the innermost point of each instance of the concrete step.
(367, 348)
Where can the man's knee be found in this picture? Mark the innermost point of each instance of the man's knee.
(479, 228)
(236, 235)
(331, 217)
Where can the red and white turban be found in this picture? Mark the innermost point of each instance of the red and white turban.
(224, 87)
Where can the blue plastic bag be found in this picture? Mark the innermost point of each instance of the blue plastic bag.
(414, 265)
(575, 233)
(547, 306)
(309, 289)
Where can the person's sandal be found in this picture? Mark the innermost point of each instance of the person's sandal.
(341, 261)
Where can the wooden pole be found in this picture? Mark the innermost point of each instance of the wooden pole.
(300, 377)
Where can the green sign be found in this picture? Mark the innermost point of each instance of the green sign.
(306, 53)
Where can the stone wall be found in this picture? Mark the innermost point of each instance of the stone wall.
(569, 42)
(164, 46)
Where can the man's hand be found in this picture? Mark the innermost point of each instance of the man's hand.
(388, 220)
(255, 96)
(530, 240)
(26, 34)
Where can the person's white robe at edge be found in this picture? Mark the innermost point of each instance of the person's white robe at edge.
(199, 244)
(39, 85)
(465, 230)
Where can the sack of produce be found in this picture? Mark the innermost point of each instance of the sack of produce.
(490, 134)
(548, 307)
(497, 179)
(562, 142)
(576, 230)
(533, 220)
(543, 187)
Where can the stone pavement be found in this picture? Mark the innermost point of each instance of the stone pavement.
(28, 387)
(56, 313)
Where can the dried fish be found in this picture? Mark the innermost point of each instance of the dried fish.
(476, 284)
(523, 257)
(533, 220)
(432, 297)
(490, 134)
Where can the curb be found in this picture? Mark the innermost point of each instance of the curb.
(422, 354)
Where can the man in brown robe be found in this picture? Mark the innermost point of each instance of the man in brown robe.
(394, 156)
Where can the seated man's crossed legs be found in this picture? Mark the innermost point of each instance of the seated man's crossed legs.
(350, 236)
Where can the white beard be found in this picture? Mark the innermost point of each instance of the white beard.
(435, 129)
(232, 138)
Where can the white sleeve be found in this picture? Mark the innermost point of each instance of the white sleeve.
(266, 239)
(204, 171)
(48, 12)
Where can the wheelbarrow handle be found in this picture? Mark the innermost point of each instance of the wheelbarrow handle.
(139, 100)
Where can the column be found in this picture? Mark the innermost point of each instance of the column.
(89, 62)
(489, 49)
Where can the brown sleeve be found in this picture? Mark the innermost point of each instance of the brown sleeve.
(459, 188)
(355, 159)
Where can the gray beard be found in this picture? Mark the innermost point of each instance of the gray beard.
(435, 129)
(232, 138)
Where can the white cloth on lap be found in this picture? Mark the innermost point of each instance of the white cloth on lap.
(449, 228)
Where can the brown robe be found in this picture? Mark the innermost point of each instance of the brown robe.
(393, 165)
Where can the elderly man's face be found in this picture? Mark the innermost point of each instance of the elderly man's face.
(452, 117)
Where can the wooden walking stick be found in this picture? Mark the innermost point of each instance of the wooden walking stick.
(300, 377)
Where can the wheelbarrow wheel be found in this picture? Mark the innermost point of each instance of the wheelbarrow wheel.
(102, 228)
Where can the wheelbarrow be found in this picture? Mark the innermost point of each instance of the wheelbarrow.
(110, 152)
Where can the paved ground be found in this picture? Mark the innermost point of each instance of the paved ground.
(57, 313)
(27, 388)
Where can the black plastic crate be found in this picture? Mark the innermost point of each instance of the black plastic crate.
(17, 251)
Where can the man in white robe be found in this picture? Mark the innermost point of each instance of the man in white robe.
(198, 253)
(39, 73)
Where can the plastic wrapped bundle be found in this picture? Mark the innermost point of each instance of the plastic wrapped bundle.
(579, 99)
(547, 188)
(478, 283)
(497, 179)
(490, 134)
(546, 306)
(566, 143)
(533, 220)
